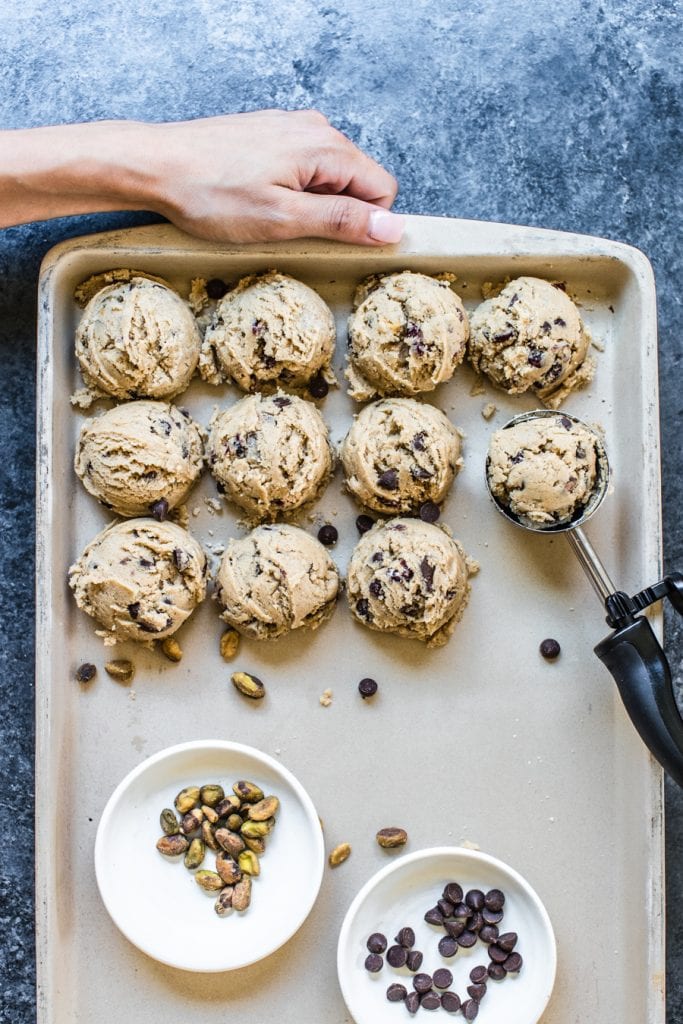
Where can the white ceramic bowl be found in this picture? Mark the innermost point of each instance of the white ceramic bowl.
(398, 896)
(155, 900)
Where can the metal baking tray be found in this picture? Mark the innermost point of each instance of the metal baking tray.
(479, 741)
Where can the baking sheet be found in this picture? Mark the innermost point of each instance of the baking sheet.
(479, 741)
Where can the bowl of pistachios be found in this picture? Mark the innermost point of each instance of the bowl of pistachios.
(203, 844)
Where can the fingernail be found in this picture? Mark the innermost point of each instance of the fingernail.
(385, 226)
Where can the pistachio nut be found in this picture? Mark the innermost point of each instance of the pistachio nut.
(248, 792)
(248, 863)
(192, 821)
(209, 813)
(172, 649)
(388, 838)
(228, 869)
(266, 808)
(211, 795)
(248, 685)
(339, 855)
(187, 799)
(224, 902)
(255, 843)
(229, 841)
(195, 854)
(230, 642)
(257, 829)
(209, 881)
(169, 823)
(121, 670)
(227, 805)
(209, 837)
(241, 896)
(234, 822)
(172, 846)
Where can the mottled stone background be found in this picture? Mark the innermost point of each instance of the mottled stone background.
(563, 115)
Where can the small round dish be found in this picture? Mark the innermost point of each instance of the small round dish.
(399, 895)
(155, 901)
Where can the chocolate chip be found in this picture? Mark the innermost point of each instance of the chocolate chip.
(476, 922)
(466, 939)
(470, 1009)
(554, 371)
(281, 401)
(328, 535)
(258, 328)
(496, 971)
(492, 916)
(434, 916)
(397, 956)
(318, 386)
(535, 357)
(477, 991)
(450, 1001)
(422, 983)
(363, 609)
(445, 906)
(221, 488)
(145, 562)
(368, 688)
(478, 974)
(508, 941)
(412, 330)
(545, 327)
(566, 422)
(374, 963)
(429, 512)
(560, 322)
(388, 480)
(430, 1001)
(364, 523)
(159, 509)
(489, 933)
(513, 964)
(475, 899)
(85, 672)
(414, 960)
(396, 993)
(181, 559)
(453, 892)
(550, 649)
(134, 609)
(516, 459)
(462, 910)
(497, 954)
(215, 288)
(447, 946)
(418, 473)
(442, 978)
(377, 942)
(454, 926)
(376, 588)
(580, 452)
(494, 899)
(418, 441)
(269, 363)
(406, 938)
(412, 1002)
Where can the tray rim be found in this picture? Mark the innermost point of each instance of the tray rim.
(424, 236)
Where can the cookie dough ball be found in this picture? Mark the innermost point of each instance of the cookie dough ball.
(276, 579)
(269, 330)
(270, 455)
(531, 337)
(400, 453)
(410, 578)
(137, 339)
(140, 579)
(407, 333)
(137, 454)
(544, 470)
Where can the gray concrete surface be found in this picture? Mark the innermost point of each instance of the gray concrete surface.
(558, 115)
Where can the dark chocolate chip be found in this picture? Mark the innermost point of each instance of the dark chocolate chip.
(318, 386)
(418, 473)
(414, 960)
(497, 954)
(364, 523)
(434, 916)
(363, 609)
(453, 892)
(580, 452)
(462, 910)
(422, 983)
(412, 330)
(388, 480)
(470, 1009)
(450, 1001)
(281, 401)
(445, 906)
(429, 512)
(418, 442)
(535, 357)
(504, 336)
(374, 963)
(494, 899)
(134, 609)
(376, 588)
(406, 938)
(397, 956)
(328, 535)
(516, 459)
(412, 1002)
(215, 288)
(85, 672)
(475, 899)
(377, 942)
(489, 933)
(566, 422)
(492, 916)
(508, 941)
(476, 922)
(367, 688)
(442, 978)
(545, 327)
(550, 649)
(159, 509)
(466, 939)
(478, 974)
(477, 991)
(396, 993)
(560, 322)
(258, 328)
(448, 946)
(496, 971)
(513, 964)
(430, 1001)
(181, 559)
(454, 926)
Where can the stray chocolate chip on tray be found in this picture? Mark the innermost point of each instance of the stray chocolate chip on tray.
(318, 386)
(364, 523)
(550, 649)
(367, 688)
(86, 672)
(328, 535)
(429, 512)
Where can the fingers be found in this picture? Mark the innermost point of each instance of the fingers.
(343, 169)
(340, 217)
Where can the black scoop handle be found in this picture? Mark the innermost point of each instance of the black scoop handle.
(635, 658)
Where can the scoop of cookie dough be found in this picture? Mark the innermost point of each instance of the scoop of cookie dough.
(140, 579)
(410, 578)
(531, 337)
(400, 453)
(270, 455)
(269, 330)
(137, 453)
(137, 339)
(544, 470)
(407, 333)
(276, 579)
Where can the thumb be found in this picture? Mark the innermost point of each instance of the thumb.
(343, 218)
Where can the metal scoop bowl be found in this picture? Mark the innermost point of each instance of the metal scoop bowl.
(632, 652)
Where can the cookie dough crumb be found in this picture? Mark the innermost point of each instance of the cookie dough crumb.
(489, 290)
(467, 844)
(489, 410)
(478, 388)
(198, 297)
(326, 698)
(132, 695)
(196, 510)
(214, 506)
(473, 565)
(84, 292)
(181, 516)
(598, 345)
(219, 549)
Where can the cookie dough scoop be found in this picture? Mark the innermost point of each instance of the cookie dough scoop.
(632, 652)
